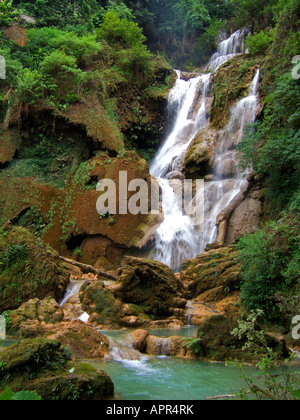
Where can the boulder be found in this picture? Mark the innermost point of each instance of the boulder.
(83, 340)
(45, 366)
(150, 285)
(100, 303)
(139, 339)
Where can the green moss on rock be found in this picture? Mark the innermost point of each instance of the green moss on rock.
(29, 269)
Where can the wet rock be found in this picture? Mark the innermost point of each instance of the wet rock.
(139, 338)
(101, 304)
(83, 340)
(246, 217)
(199, 160)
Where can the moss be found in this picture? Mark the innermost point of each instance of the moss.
(44, 366)
(232, 83)
(29, 269)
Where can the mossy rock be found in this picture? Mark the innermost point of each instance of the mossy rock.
(101, 303)
(45, 366)
(215, 268)
(199, 160)
(231, 83)
(29, 269)
(149, 284)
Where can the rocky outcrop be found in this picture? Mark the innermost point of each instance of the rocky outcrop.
(215, 268)
(8, 145)
(45, 366)
(199, 160)
(246, 217)
(29, 269)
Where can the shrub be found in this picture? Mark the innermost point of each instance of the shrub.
(270, 267)
(260, 42)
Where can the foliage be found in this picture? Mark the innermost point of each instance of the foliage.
(9, 395)
(260, 42)
(193, 344)
(275, 383)
(12, 254)
(8, 13)
(270, 268)
(59, 13)
(272, 147)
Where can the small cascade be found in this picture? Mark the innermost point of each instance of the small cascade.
(228, 49)
(175, 238)
(121, 352)
(72, 290)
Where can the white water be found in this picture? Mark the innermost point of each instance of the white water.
(175, 238)
(72, 290)
(230, 180)
(228, 49)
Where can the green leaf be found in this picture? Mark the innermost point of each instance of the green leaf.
(6, 395)
(297, 394)
(26, 396)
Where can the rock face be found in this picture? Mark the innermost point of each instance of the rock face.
(245, 218)
(69, 216)
(150, 285)
(30, 270)
(199, 160)
(83, 340)
(44, 366)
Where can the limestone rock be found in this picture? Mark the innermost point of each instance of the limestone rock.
(245, 218)
(101, 304)
(139, 338)
(83, 340)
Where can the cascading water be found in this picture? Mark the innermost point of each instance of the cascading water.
(229, 179)
(175, 238)
(228, 49)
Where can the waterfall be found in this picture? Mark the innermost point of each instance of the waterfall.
(228, 49)
(176, 240)
(229, 179)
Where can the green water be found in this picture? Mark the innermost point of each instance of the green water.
(171, 379)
